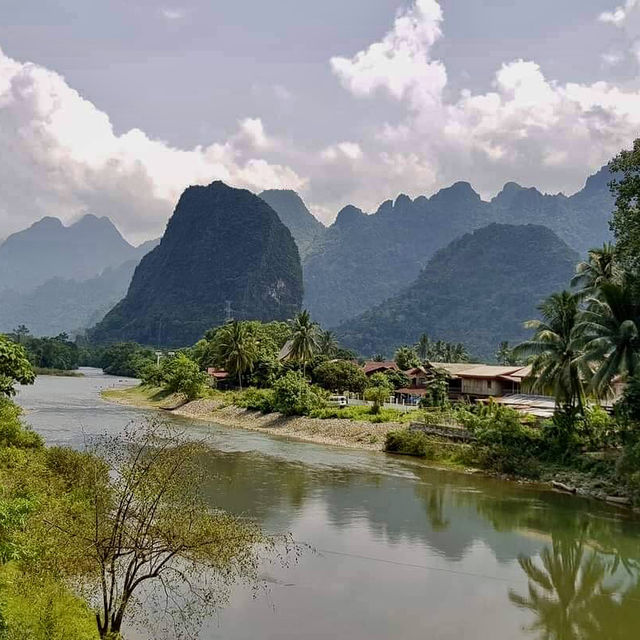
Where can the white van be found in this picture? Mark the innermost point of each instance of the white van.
(338, 401)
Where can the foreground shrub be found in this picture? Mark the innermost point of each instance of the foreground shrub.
(12, 432)
(628, 468)
(257, 399)
(182, 375)
(294, 396)
(408, 442)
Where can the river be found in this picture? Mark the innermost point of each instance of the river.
(401, 550)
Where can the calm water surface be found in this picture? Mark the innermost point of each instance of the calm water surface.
(402, 551)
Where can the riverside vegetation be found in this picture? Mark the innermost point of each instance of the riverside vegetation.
(81, 533)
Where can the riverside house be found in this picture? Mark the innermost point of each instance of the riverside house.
(465, 380)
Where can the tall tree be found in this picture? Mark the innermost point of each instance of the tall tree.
(610, 330)
(599, 268)
(304, 339)
(423, 347)
(236, 348)
(625, 223)
(15, 367)
(557, 366)
(406, 357)
(148, 523)
(327, 343)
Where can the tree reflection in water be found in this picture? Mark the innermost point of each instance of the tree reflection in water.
(575, 594)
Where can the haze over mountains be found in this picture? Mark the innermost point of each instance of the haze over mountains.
(55, 278)
(48, 249)
(224, 244)
(225, 251)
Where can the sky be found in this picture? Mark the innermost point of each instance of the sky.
(114, 108)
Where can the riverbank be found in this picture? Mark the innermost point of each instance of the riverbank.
(331, 431)
(358, 435)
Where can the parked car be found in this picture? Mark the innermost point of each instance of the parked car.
(338, 401)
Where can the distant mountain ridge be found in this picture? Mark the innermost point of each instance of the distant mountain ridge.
(362, 259)
(478, 290)
(224, 251)
(48, 249)
(62, 305)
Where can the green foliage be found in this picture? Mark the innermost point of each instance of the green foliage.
(406, 357)
(505, 354)
(125, 359)
(328, 344)
(503, 443)
(360, 413)
(176, 374)
(15, 367)
(409, 442)
(626, 216)
(557, 365)
(437, 392)
(340, 375)
(56, 352)
(440, 350)
(396, 379)
(293, 395)
(236, 348)
(610, 333)
(257, 399)
(12, 432)
(378, 395)
(629, 405)
(628, 468)
(305, 335)
(38, 607)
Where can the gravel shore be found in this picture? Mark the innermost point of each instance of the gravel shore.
(343, 433)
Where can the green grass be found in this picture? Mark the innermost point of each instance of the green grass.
(363, 414)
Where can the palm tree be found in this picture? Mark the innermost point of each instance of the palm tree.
(598, 269)
(610, 330)
(566, 592)
(304, 340)
(557, 366)
(423, 347)
(327, 343)
(237, 348)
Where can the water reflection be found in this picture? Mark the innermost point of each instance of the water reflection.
(575, 594)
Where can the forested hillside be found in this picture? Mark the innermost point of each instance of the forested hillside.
(478, 290)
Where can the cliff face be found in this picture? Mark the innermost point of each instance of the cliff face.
(479, 290)
(222, 246)
(305, 228)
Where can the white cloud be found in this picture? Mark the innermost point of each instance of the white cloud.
(527, 128)
(400, 62)
(61, 156)
(612, 58)
(620, 14)
(172, 13)
(348, 150)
